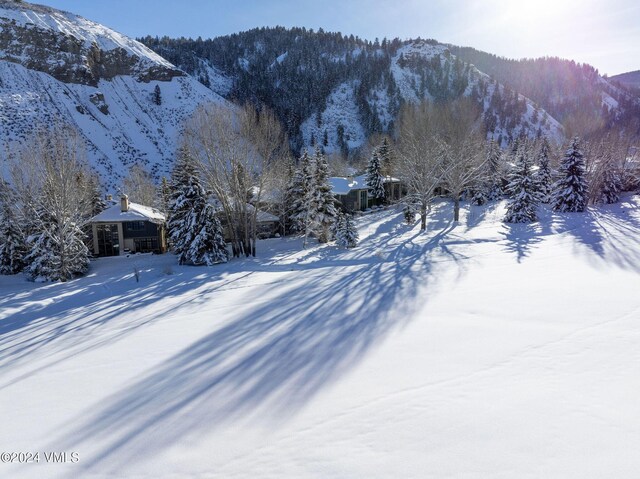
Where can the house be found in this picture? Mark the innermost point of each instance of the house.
(128, 227)
(353, 193)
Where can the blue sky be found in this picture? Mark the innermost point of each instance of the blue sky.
(605, 34)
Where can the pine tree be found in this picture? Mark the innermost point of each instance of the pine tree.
(325, 213)
(98, 204)
(13, 247)
(346, 232)
(60, 211)
(544, 177)
(570, 192)
(299, 192)
(494, 166)
(522, 191)
(208, 247)
(57, 252)
(479, 195)
(193, 227)
(374, 178)
(409, 213)
(610, 190)
(157, 95)
(386, 159)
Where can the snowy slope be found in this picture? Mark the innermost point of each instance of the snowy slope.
(341, 111)
(407, 81)
(477, 350)
(110, 100)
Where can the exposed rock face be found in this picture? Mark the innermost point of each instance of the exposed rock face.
(28, 37)
(57, 67)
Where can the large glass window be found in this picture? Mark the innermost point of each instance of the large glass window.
(108, 242)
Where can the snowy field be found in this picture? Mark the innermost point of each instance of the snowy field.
(474, 350)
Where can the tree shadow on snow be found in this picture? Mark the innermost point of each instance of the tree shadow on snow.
(611, 232)
(521, 238)
(271, 360)
(66, 319)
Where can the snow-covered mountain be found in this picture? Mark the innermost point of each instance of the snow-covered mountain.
(335, 90)
(57, 66)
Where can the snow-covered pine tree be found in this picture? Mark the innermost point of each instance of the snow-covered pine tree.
(346, 232)
(194, 230)
(13, 248)
(409, 212)
(610, 189)
(208, 246)
(374, 178)
(385, 156)
(522, 191)
(325, 213)
(98, 204)
(57, 252)
(544, 177)
(494, 172)
(61, 209)
(570, 191)
(479, 194)
(302, 194)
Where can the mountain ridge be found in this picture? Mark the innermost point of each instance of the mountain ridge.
(59, 67)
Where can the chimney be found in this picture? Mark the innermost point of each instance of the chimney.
(124, 203)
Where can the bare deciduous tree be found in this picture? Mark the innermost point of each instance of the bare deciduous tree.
(140, 187)
(237, 149)
(53, 166)
(420, 157)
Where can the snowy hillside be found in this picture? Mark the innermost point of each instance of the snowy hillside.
(477, 350)
(472, 82)
(340, 120)
(56, 66)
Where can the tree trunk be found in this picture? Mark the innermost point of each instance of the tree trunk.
(456, 208)
(423, 217)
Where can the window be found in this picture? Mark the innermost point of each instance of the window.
(135, 226)
(146, 245)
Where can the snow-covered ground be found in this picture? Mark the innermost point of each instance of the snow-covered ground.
(471, 351)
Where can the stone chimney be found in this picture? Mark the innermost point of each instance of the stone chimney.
(124, 203)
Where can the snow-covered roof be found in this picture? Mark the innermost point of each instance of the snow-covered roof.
(342, 186)
(264, 217)
(136, 212)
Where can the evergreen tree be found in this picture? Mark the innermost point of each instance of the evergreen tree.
(610, 189)
(386, 159)
(409, 213)
(494, 166)
(346, 232)
(193, 227)
(13, 247)
(374, 179)
(300, 194)
(57, 252)
(164, 196)
(570, 191)
(544, 176)
(324, 216)
(522, 191)
(60, 211)
(157, 95)
(479, 195)
(208, 247)
(98, 204)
